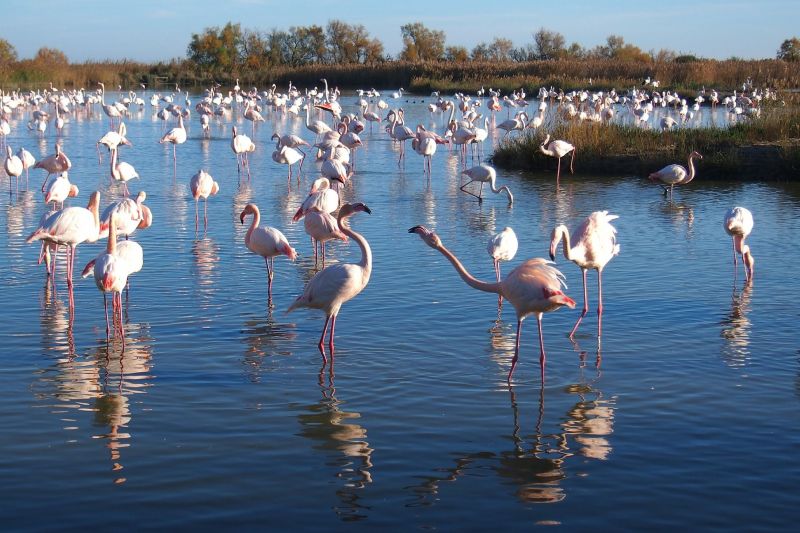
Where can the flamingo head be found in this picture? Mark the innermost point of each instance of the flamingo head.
(73, 191)
(215, 188)
(555, 238)
(696, 154)
(348, 210)
(749, 261)
(428, 237)
(147, 218)
(320, 184)
(249, 209)
(141, 197)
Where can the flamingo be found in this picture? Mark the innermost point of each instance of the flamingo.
(534, 287)
(203, 186)
(321, 226)
(13, 167)
(502, 247)
(739, 224)
(336, 284)
(130, 215)
(517, 123)
(267, 242)
(591, 246)
(558, 149)
(53, 164)
(28, 161)
(59, 190)
(122, 171)
(241, 146)
(317, 127)
(70, 227)
(110, 275)
(485, 174)
(110, 110)
(175, 136)
(287, 155)
(321, 197)
(113, 139)
(675, 174)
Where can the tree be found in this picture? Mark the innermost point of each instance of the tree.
(217, 47)
(500, 49)
(50, 57)
(456, 54)
(480, 52)
(351, 43)
(421, 43)
(616, 48)
(8, 54)
(548, 44)
(790, 50)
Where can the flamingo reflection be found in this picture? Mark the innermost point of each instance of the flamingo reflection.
(736, 328)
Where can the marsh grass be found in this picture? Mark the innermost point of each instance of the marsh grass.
(767, 147)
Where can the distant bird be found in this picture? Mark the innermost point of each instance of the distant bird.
(175, 136)
(242, 145)
(591, 246)
(13, 167)
(130, 214)
(322, 227)
(517, 123)
(267, 242)
(558, 149)
(113, 139)
(53, 164)
(28, 161)
(502, 247)
(70, 227)
(336, 284)
(286, 155)
(110, 110)
(739, 224)
(534, 287)
(317, 127)
(675, 174)
(203, 186)
(485, 174)
(321, 197)
(59, 190)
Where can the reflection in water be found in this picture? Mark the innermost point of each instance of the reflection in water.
(344, 442)
(205, 253)
(537, 463)
(736, 328)
(680, 215)
(265, 337)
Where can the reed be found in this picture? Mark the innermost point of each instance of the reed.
(767, 147)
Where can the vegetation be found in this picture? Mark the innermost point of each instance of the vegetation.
(790, 50)
(763, 148)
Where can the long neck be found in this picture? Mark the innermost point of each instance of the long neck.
(691, 170)
(544, 150)
(112, 236)
(466, 276)
(253, 225)
(564, 236)
(113, 160)
(366, 252)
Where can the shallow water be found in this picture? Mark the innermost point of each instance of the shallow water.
(220, 412)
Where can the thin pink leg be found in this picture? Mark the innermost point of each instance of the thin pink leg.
(599, 303)
(269, 280)
(321, 344)
(330, 339)
(558, 171)
(205, 214)
(542, 357)
(105, 307)
(497, 275)
(196, 215)
(516, 350)
(585, 305)
(735, 261)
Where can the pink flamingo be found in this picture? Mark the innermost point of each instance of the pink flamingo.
(558, 149)
(59, 190)
(203, 186)
(534, 287)
(13, 167)
(485, 174)
(122, 171)
(70, 227)
(321, 227)
(591, 246)
(129, 214)
(675, 174)
(242, 145)
(53, 164)
(267, 242)
(175, 136)
(739, 224)
(502, 247)
(336, 284)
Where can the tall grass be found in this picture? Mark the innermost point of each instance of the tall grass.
(767, 147)
(420, 77)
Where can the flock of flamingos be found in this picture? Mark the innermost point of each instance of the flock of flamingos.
(533, 288)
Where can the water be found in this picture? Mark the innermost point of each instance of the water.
(219, 411)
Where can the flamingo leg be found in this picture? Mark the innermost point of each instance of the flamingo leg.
(105, 307)
(571, 161)
(205, 215)
(269, 280)
(516, 350)
(321, 344)
(330, 338)
(599, 303)
(468, 192)
(497, 275)
(542, 356)
(196, 216)
(735, 261)
(558, 171)
(585, 305)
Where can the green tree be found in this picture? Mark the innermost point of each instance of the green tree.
(421, 43)
(548, 44)
(790, 50)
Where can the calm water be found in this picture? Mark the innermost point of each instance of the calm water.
(219, 411)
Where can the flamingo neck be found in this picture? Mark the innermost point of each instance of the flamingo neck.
(466, 276)
(691, 169)
(253, 225)
(366, 252)
(563, 236)
(111, 246)
(546, 151)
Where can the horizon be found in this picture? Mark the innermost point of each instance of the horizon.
(711, 29)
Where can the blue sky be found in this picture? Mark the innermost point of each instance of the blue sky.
(148, 30)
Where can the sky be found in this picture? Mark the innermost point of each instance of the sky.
(149, 30)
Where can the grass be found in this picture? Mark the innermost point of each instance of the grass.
(767, 147)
